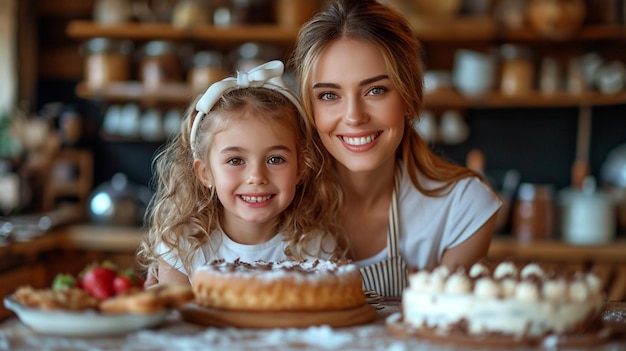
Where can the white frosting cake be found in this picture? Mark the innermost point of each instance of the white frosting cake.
(527, 303)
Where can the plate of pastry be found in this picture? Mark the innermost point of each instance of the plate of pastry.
(74, 312)
(83, 322)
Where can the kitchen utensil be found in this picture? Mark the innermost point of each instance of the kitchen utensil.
(613, 177)
(587, 215)
(119, 202)
(473, 72)
(556, 19)
(426, 126)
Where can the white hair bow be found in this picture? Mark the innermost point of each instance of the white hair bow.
(267, 75)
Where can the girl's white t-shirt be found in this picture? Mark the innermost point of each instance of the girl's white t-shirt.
(220, 246)
(430, 225)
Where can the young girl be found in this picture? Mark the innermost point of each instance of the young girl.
(403, 206)
(239, 181)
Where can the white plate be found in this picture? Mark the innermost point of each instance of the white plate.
(83, 323)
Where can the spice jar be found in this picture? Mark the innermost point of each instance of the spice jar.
(533, 212)
(294, 13)
(107, 61)
(207, 69)
(160, 64)
(252, 11)
(517, 70)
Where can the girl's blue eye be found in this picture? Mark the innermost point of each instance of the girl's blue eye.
(274, 160)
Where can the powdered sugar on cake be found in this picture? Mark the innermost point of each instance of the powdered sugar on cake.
(307, 269)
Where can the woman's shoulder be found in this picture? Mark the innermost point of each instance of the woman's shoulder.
(466, 190)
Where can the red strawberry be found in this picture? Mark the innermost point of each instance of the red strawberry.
(122, 283)
(98, 281)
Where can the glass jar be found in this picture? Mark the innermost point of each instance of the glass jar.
(252, 11)
(107, 61)
(517, 70)
(112, 11)
(294, 13)
(534, 212)
(160, 64)
(206, 70)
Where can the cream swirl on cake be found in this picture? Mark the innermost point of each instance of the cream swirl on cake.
(527, 303)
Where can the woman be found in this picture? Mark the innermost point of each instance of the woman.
(403, 206)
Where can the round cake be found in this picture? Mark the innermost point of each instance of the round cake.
(527, 304)
(294, 286)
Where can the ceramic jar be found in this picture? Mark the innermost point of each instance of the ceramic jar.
(588, 217)
(556, 19)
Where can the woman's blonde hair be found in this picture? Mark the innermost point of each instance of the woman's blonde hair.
(184, 211)
(375, 23)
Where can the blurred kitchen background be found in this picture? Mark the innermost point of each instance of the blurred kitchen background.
(531, 93)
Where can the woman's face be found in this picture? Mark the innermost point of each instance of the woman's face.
(358, 111)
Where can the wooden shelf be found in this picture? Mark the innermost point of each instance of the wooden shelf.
(444, 98)
(589, 33)
(164, 31)
(460, 29)
(450, 98)
(171, 93)
(457, 30)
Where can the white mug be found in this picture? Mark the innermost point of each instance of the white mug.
(474, 72)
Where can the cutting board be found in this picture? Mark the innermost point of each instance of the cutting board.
(197, 314)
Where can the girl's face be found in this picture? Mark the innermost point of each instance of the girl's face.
(358, 111)
(253, 165)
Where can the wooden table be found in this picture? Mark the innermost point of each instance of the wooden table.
(176, 334)
(38, 260)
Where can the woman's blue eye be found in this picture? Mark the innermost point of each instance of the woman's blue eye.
(377, 90)
(327, 96)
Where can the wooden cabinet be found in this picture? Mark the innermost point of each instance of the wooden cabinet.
(438, 39)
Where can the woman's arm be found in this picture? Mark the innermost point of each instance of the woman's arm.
(471, 250)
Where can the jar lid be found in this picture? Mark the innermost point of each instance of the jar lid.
(101, 45)
(207, 59)
(159, 48)
(515, 51)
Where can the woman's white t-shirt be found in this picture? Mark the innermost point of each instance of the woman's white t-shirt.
(430, 225)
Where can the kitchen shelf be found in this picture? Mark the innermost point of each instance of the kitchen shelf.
(463, 29)
(450, 98)
(164, 31)
(180, 93)
(128, 91)
(460, 29)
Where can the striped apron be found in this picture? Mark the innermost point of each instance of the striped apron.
(388, 277)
